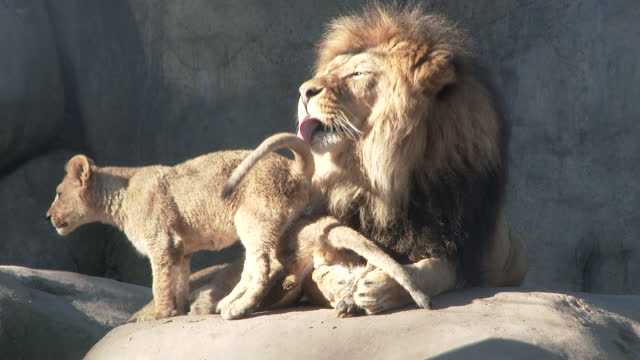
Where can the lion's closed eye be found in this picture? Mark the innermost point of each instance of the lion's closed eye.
(357, 75)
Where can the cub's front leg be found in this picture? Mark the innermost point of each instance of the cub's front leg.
(165, 265)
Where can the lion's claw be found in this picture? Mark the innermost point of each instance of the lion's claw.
(348, 308)
(377, 292)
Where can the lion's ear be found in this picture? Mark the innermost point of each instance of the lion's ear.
(80, 167)
(436, 71)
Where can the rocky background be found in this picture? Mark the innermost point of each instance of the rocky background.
(137, 82)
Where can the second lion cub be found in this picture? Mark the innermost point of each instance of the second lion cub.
(170, 212)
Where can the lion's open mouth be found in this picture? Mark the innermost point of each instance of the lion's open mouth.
(59, 225)
(310, 127)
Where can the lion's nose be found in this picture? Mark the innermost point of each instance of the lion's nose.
(309, 90)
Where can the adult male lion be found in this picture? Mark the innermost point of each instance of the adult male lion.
(411, 151)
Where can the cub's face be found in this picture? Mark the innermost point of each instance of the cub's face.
(335, 105)
(71, 207)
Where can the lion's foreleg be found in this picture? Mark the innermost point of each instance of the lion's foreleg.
(505, 264)
(377, 292)
(347, 238)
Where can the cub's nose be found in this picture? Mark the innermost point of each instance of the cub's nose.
(48, 216)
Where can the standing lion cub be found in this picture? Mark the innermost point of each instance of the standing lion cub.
(170, 212)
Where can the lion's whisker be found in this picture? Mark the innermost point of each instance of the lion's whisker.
(346, 126)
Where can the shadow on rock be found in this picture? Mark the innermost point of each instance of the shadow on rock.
(497, 349)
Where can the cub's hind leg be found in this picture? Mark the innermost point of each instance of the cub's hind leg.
(264, 269)
(261, 239)
(241, 287)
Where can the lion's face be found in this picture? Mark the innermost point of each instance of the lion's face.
(71, 206)
(334, 106)
(369, 110)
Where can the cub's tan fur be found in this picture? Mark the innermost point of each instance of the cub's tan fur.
(170, 212)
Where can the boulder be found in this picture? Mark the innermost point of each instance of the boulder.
(48, 314)
(475, 323)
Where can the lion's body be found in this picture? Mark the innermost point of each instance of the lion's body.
(411, 151)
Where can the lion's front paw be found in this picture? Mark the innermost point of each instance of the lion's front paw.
(377, 292)
(338, 284)
(347, 307)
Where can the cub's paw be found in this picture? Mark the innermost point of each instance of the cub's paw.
(235, 310)
(152, 315)
(377, 292)
(223, 304)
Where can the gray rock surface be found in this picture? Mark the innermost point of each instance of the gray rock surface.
(161, 81)
(31, 90)
(472, 324)
(59, 315)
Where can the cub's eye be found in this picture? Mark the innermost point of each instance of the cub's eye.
(356, 75)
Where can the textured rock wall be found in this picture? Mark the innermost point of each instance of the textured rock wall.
(139, 82)
(568, 71)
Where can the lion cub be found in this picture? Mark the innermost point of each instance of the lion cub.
(170, 212)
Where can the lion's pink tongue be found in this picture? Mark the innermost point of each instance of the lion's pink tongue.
(307, 128)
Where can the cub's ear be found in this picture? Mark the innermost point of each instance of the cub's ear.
(80, 167)
(434, 71)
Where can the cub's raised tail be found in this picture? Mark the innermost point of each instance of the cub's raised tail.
(303, 162)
